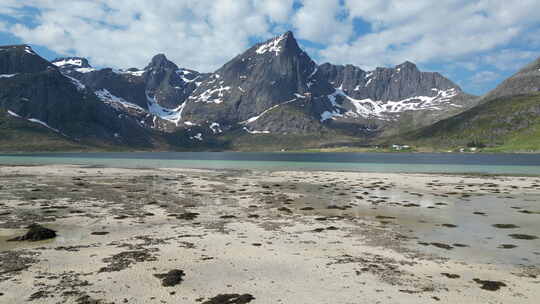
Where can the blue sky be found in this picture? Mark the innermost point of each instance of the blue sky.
(475, 43)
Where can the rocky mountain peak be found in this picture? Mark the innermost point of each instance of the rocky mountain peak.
(160, 61)
(407, 66)
(21, 58)
(284, 44)
(269, 74)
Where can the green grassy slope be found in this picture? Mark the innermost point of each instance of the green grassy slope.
(21, 135)
(508, 124)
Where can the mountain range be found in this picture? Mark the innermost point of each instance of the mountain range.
(273, 96)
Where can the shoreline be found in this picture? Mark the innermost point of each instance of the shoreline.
(459, 166)
(280, 236)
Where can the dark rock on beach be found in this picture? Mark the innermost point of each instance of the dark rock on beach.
(230, 299)
(35, 233)
(523, 236)
(451, 275)
(187, 216)
(171, 278)
(505, 226)
(490, 285)
(442, 245)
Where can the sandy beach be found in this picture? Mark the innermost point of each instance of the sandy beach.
(267, 237)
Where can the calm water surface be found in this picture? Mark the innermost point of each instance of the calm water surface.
(367, 162)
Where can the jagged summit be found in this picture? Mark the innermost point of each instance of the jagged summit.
(284, 44)
(161, 61)
(407, 65)
(266, 75)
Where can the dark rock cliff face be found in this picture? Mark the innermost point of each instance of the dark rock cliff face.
(167, 83)
(21, 59)
(268, 74)
(160, 82)
(127, 85)
(43, 95)
(386, 84)
(390, 100)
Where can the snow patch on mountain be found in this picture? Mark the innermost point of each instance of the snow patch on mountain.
(34, 120)
(330, 115)
(183, 73)
(198, 137)
(255, 132)
(213, 95)
(13, 114)
(272, 46)
(109, 98)
(71, 61)
(336, 112)
(382, 109)
(315, 70)
(76, 82)
(172, 115)
(137, 73)
(85, 70)
(216, 128)
(254, 118)
(29, 50)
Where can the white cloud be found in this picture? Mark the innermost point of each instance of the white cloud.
(205, 34)
(509, 59)
(122, 33)
(322, 21)
(278, 11)
(484, 77)
(426, 31)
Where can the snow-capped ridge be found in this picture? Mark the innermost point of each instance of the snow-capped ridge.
(369, 108)
(278, 44)
(78, 64)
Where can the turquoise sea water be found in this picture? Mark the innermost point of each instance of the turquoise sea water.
(362, 162)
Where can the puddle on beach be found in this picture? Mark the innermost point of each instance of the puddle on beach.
(484, 224)
(478, 228)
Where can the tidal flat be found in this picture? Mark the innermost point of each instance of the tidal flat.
(253, 236)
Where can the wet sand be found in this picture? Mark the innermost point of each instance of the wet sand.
(277, 237)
